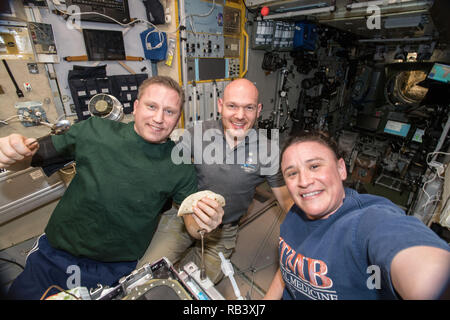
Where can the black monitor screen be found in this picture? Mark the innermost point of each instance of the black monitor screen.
(104, 45)
(5, 7)
(367, 122)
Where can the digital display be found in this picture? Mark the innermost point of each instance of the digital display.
(104, 45)
(417, 137)
(397, 128)
(440, 72)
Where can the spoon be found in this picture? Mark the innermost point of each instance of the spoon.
(57, 128)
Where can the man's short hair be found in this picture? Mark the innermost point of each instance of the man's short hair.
(164, 81)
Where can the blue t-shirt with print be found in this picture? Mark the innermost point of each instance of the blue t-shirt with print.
(348, 255)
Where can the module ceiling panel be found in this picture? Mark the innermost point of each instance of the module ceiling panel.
(341, 8)
(411, 25)
(286, 5)
(398, 18)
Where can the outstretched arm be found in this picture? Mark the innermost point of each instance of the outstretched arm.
(16, 151)
(276, 288)
(420, 272)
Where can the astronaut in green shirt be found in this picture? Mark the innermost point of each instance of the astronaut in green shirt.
(111, 208)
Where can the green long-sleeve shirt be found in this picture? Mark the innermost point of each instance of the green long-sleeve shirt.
(110, 210)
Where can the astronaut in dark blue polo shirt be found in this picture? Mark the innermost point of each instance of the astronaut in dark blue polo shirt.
(337, 244)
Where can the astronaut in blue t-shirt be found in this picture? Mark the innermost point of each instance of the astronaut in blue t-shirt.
(338, 244)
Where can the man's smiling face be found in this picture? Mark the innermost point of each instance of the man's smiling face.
(239, 108)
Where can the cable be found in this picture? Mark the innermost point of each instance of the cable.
(228, 271)
(191, 22)
(73, 171)
(203, 15)
(436, 197)
(435, 164)
(96, 13)
(258, 251)
(155, 29)
(272, 227)
(125, 25)
(426, 193)
(159, 45)
(200, 15)
(60, 289)
(8, 119)
(21, 119)
(13, 262)
(251, 11)
(437, 152)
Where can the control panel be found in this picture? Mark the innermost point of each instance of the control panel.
(31, 113)
(204, 45)
(232, 67)
(214, 54)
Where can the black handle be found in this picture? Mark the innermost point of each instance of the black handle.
(18, 91)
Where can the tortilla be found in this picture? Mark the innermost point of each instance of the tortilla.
(188, 204)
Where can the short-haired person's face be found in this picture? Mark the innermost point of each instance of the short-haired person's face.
(156, 113)
(314, 178)
(239, 108)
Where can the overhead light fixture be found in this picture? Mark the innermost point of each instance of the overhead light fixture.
(404, 22)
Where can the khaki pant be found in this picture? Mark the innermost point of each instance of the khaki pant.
(171, 240)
